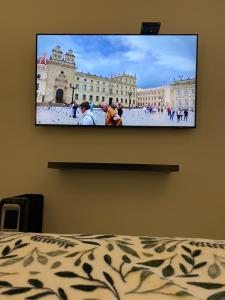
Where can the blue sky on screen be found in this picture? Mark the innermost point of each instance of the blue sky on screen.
(155, 59)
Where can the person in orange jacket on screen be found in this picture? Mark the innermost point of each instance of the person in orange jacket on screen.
(112, 117)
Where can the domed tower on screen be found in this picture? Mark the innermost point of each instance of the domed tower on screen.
(42, 73)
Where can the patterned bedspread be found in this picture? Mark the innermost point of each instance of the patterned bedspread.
(110, 267)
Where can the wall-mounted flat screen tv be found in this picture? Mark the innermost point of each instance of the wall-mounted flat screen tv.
(116, 80)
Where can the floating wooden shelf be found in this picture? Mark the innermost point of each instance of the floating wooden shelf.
(114, 166)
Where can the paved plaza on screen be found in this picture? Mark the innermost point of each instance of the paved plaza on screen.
(132, 117)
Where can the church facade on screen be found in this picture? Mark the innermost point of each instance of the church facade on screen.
(59, 83)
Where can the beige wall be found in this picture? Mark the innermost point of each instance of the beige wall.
(189, 203)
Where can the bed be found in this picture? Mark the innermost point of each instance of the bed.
(110, 267)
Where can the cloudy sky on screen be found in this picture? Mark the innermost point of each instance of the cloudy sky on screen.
(155, 59)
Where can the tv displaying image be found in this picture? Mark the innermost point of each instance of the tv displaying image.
(116, 80)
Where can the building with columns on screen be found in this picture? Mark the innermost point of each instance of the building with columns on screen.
(180, 93)
(183, 93)
(59, 82)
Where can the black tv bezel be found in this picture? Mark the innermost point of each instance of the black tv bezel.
(130, 126)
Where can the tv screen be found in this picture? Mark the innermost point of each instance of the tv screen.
(116, 80)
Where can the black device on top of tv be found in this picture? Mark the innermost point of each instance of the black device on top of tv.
(150, 27)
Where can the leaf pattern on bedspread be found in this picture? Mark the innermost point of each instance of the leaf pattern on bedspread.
(110, 267)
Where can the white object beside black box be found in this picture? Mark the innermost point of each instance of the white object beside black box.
(22, 213)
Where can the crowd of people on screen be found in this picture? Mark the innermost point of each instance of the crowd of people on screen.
(114, 112)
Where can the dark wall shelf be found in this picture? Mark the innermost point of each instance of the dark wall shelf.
(114, 166)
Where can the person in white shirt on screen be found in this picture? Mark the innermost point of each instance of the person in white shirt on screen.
(88, 116)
